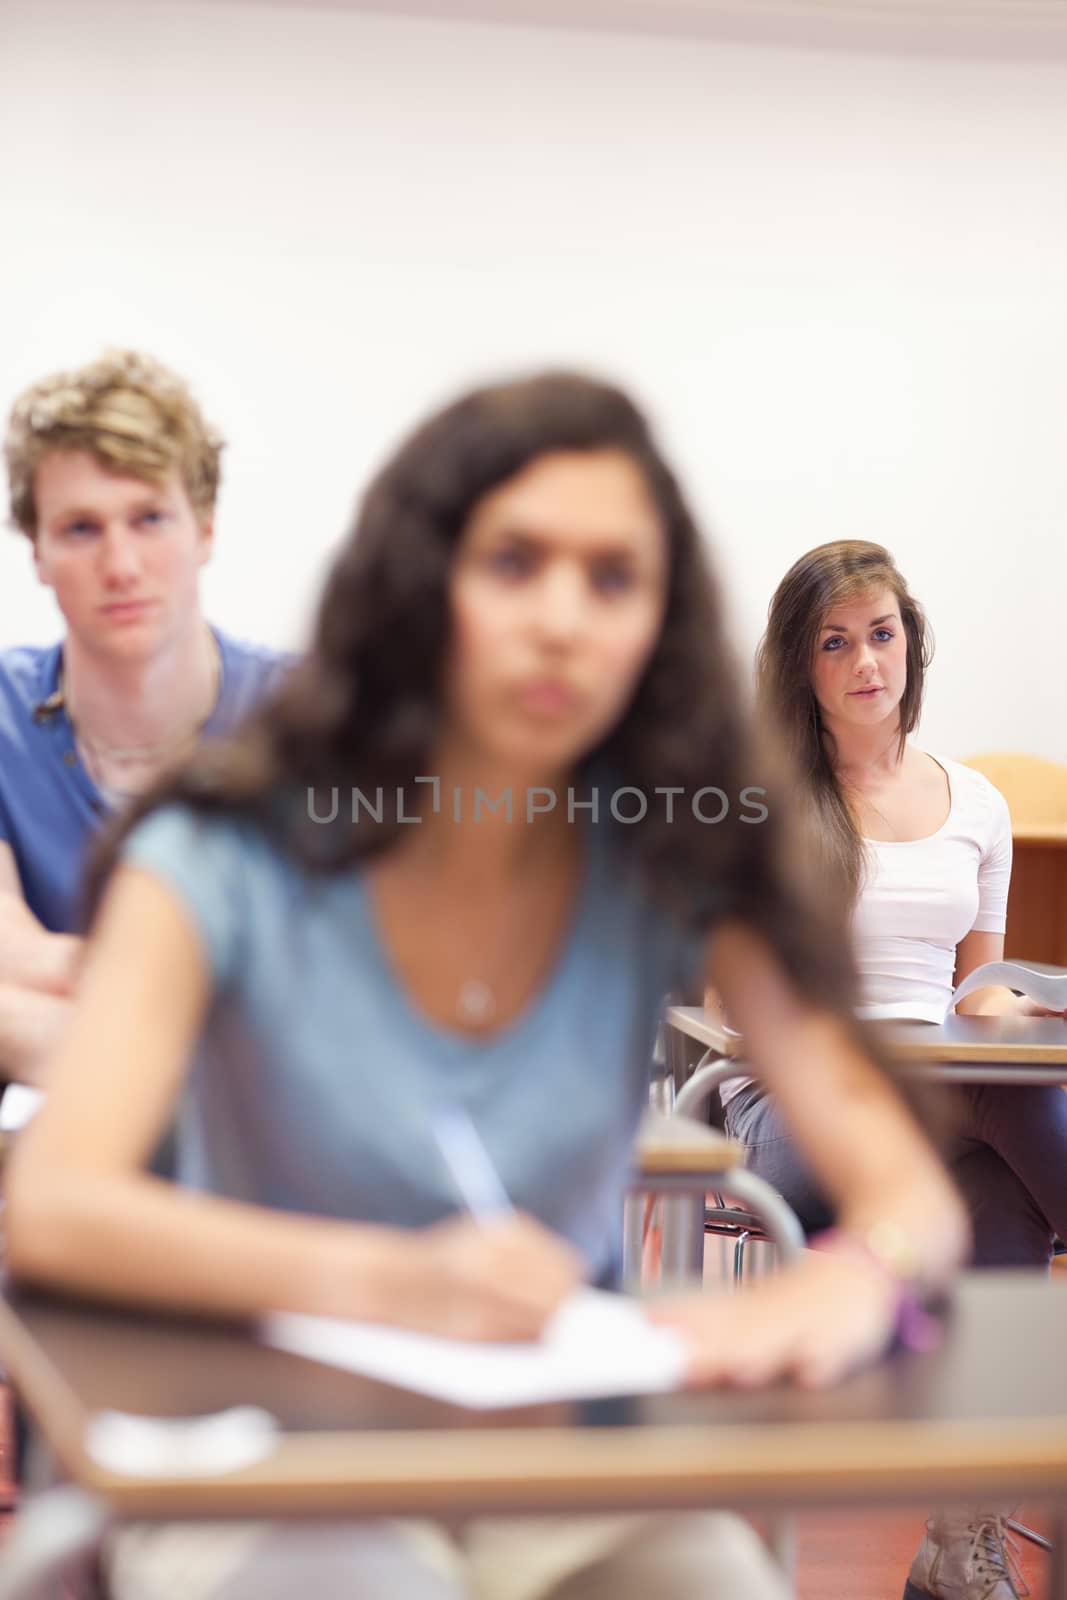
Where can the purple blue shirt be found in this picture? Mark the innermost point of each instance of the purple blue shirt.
(50, 808)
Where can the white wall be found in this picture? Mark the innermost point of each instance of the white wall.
(839, 279)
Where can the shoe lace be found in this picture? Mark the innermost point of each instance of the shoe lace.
(994, 1554)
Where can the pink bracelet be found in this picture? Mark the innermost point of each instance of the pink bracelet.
(915, 1327)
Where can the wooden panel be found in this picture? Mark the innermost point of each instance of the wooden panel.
(1035, 789)
(1037, 900)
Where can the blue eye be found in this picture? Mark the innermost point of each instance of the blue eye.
(151, 519)
(883, 635)
(832, 644)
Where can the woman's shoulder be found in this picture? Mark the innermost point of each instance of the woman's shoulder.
(974, 798)
(200, 841)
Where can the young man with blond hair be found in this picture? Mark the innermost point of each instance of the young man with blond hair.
(113, 476)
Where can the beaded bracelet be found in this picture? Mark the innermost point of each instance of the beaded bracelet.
(915, 1327)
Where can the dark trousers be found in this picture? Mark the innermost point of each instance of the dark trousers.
(1007, 1153)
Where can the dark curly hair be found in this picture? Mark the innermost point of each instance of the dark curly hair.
(364, 707)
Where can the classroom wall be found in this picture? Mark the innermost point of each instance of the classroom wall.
(837, 276)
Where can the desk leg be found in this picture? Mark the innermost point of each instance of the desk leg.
(678, 1056)
(682, 1242)
(782, 1540)
(633, 1240)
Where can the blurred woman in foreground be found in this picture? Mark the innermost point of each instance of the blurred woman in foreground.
(523, 609)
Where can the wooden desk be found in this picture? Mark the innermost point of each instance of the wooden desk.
(678, 1147)
(1037, 899)
(982, 1418)
(960, 1050)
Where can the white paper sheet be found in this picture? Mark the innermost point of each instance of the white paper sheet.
(19, 1105)
(597, 1344)
(1048, 989)
(159, 1447)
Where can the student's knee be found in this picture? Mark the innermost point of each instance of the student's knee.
(770, 1153)
(263, 1561)
(712, 1554)
(1009, 1227)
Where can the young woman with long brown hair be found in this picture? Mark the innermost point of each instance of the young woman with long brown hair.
(918, 848)
(522, 609)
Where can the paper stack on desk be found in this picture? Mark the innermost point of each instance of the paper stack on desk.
(597, 1344)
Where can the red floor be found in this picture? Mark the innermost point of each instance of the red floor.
(866, 1556)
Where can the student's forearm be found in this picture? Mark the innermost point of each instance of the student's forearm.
(843, 1113)
(30, 956)
(866, 1149)
(143, 1240)
(30, 1023)
(991, 1002)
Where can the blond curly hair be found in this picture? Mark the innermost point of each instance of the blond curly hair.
(130, 412)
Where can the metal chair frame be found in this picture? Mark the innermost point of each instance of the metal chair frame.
(728, 1221)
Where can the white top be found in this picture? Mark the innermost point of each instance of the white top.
(920, 898)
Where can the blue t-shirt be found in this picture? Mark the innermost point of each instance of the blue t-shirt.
(50, 808)
(316, 1078)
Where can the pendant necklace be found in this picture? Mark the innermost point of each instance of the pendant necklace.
(475, 1002)
(476, 997)
(96, 756)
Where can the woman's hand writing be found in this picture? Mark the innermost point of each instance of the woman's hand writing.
(498, 1280)
(814, 1322)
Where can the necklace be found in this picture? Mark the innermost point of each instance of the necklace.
(477, 998)
(97, 755)
(871, 806)
(862, 800)
(475, 1002)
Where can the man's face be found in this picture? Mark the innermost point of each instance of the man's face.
(122, 555)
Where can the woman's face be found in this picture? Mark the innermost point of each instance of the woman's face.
(860, 669)
(557, 596)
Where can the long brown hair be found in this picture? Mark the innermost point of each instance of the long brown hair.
(364, 707)
(831, 575)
